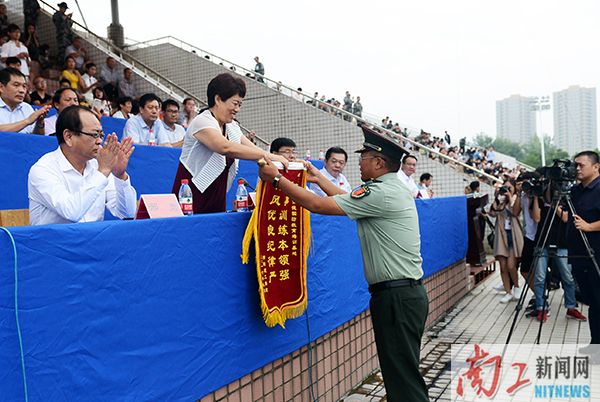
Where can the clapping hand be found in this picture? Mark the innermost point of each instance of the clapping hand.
(124, 152)
(108, 155)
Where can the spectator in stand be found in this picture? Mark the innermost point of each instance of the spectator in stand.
(16, 115)
(31, 10)
(80, 179)
(508, 238)
(15, 48)
(285, 147)
(64, 35)
(348, 102)
(259, 70)
(109, 78)
(88, 83)
(491, 154)
(145, 128)
(62, 99)
(3, 19)
(357, 107)
(64, 83)
(44, 57)
(126, 85)
(174, 131)
(298, 95)
(189, 112)
(71, 73)
(77, 52)
(125, 106)
(335, 161)
(409, 166)
(13, 62)
(100, 105)
(39, 97)
(212, 145)
(424, 186)
(32, 41)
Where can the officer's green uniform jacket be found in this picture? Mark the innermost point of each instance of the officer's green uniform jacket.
(388, 227)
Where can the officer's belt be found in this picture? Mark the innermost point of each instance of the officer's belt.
(377, 287)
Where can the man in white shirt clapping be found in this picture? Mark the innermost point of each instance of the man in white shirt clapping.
(81, 178)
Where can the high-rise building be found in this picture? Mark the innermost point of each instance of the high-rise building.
(515, 119)
(575, 125)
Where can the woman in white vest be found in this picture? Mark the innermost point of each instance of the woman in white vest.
(213, 144)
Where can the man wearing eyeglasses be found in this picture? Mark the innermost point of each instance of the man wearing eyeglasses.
(174, 131)
(82, 177)
(388, 228)
(285, 147)
(335, 161)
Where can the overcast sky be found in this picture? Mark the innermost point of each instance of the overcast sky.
(439, 65)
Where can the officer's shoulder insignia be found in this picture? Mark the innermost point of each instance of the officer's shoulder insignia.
(361, 191)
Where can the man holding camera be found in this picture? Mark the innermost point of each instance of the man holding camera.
(585, 198)
(552, 243)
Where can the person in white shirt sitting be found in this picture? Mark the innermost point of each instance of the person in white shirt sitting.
(125, 106)
(81, 178)
(175, 132)
(335, 161)
(62, 99)
(409, 167)
(15, 114)
(424, 186)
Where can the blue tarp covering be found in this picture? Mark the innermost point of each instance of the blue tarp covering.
(164, 310)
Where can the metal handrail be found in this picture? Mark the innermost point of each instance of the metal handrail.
(397, 137)
(139, 67)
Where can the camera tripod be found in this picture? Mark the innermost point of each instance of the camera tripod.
(558, 196)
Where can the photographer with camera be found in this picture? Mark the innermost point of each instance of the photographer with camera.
(526, 186)
(552, 241)
(508, 237)
(585, 197)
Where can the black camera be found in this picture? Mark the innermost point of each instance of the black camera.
(503, 190)
(562, 170)
(534, 187)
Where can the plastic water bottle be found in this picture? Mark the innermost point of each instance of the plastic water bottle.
(241, 197)
(321, 155)
(185, 198)
(152, 138)
(307, 155)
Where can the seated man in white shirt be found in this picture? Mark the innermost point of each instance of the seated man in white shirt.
(81, 178)
(16, 115)
(424, 186)
(335, 161)
(62, 99)
(145, 128)
(175, 132)
(408, 168)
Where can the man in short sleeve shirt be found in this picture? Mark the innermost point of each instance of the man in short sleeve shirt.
(388, 228)
(585, 197)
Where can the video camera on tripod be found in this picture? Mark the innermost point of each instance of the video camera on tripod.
(561, 175)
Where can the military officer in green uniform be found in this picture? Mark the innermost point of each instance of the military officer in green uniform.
(388, 227)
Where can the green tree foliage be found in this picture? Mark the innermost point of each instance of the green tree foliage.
(533, 156)
(529, 154)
